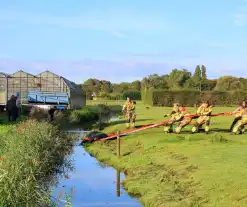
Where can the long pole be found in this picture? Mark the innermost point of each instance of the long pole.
(118, 144)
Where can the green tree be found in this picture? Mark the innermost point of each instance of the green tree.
(190, 84)
(229, 83)
(135, 85)
(204, 73)
(197, 75)
(208, 85)
(105, 86)
(177, 78)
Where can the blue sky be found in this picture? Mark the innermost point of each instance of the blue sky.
(123, 40)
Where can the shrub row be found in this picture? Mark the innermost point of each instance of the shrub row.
(33, 152)
(167, 98)
(190, 98)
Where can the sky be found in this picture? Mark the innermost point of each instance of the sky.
(123, 40)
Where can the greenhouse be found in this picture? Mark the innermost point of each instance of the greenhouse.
(22, 84)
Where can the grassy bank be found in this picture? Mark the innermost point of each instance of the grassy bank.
(33, 152)
(180, 170)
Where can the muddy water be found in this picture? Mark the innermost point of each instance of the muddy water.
(91, 183)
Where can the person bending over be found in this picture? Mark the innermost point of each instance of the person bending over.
(176, 114)
(240, 125)
(185, 121)
(204, 112)
(238, 114)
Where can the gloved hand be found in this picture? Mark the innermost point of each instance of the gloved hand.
(166, 115)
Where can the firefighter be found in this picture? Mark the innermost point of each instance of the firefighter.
(238, 114)
(204, 112)
(185, 121)
(240, 125)
(130, 115)
(125, 106)
(176, 114)
(133, 114)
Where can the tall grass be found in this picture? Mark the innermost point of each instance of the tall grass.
(33, 152)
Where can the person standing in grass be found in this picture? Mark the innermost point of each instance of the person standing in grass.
(133, 114)
(125, 106)
(129, 109)
(11, 108)
(238, 114)
(204, 112)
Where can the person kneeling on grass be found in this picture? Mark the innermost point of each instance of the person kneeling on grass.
(240, 125)
(177, 114)
(204, 112)
(238, 114)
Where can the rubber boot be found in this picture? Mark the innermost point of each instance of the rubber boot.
(235, 130)
(167, 129)
(133, 125)
(178, 129)
(241, 130)
(128, 125)
(194, 129)
(206, 129)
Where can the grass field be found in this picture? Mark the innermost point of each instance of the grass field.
(180, 170)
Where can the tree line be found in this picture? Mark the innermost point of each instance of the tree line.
(177, 79)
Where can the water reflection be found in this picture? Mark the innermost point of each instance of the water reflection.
(118, 183)
(91, 183)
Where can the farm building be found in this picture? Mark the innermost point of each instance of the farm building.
(47, 82)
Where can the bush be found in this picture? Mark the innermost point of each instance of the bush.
(84, 115)
(134, 95)
(190, 97)
(95, 113)
(34, 151)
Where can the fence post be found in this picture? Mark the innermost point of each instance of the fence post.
(118, 144)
